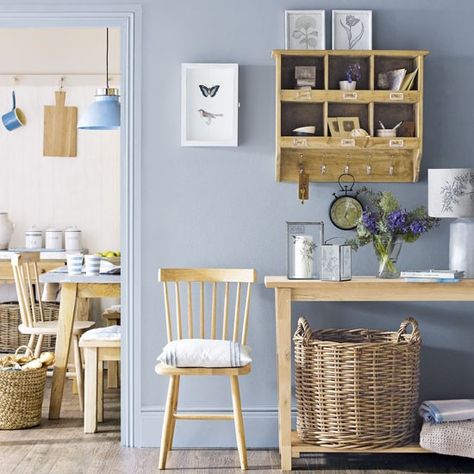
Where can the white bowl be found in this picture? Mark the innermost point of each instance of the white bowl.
(308, 130)
(387, 132)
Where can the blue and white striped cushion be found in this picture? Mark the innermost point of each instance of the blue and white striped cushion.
(204, 353)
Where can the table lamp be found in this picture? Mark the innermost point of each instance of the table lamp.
(451, 194)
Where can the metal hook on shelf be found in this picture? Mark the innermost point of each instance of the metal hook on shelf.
(391, 168)
(61, 83)
(369, 165)
(323, 167)
(347, 167)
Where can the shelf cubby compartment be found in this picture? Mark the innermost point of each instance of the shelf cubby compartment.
(390, 63)
(361, 111)
(391, 114)
(289, 63)
(296, 114)
(338, 66)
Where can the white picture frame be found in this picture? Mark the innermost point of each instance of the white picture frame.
(209, 104)
(309, 34)
(352, 29)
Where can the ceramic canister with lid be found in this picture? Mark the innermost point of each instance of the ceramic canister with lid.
(73, 239)
(33, 238)
(53, 239)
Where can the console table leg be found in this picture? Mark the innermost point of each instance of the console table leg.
(283, 348)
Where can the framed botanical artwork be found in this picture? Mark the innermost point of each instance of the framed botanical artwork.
(352, 29)
(209, 104)
(333, 123)
(305, 29)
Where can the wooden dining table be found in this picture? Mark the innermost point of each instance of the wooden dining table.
(74, 288)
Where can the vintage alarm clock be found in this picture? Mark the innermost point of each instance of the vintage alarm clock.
(346, 209)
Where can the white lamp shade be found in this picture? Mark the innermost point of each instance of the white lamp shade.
(451, 192)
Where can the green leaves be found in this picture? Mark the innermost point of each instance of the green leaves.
(388, 202)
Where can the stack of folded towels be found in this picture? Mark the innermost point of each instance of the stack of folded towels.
(448, 427)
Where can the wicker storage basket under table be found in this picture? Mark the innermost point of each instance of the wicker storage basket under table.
(21, 398)
(357, 388)
(10, 319)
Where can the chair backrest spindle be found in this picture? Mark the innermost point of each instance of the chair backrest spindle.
(225, 316)
(201, 309)
(169, 331)
(235, 333)
(190, 311)
(213, 310)
(178, 312)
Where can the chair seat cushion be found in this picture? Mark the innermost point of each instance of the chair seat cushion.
(204, 353)
(109, 333)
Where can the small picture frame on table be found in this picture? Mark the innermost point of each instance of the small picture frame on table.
(352, 29)
(209, 104)
(305, 29)
(333, 124)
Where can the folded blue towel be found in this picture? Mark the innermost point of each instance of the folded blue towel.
(440, 411)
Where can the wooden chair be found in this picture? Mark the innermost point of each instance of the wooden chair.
(201, 277)
(112, 316)
(97, 350)
(25, 273)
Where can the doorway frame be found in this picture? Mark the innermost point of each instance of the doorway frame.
(127, 17)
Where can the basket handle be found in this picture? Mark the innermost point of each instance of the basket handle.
(415, 333)
(303, 329)
(27, 349)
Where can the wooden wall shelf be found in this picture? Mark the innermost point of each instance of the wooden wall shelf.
(325, 158)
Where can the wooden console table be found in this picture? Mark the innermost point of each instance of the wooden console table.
(358, 289)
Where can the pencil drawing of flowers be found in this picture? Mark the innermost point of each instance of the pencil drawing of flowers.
(305, 32)
(453, 191)
(354, 35)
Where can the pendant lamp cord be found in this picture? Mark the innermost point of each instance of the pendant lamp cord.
(107, 57)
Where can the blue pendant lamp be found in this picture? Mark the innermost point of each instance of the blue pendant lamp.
(104, 112)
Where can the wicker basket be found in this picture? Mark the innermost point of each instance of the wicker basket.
(10, 319)
(21, 398)
(357, 388)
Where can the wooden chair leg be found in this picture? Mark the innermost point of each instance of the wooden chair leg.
(31, 342)
(100, 391)
(112, 374)
(90, 392)
(78, 367)
(175, 406)
(238, 421)
(39, 344)
(167, 422)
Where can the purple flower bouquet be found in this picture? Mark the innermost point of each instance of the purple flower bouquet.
(385, 225)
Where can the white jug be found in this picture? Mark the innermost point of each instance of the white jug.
(6, 230)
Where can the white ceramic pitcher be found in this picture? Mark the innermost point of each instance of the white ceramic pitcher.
(6, 230)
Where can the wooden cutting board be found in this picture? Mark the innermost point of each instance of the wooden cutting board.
(60, 128)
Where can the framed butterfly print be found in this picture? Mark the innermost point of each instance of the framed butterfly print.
(209, 104)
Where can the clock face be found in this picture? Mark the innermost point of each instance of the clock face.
(345, 211)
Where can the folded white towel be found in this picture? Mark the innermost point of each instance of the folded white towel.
(440, 411)
(109, 333)
(455, 438)
(204, 353)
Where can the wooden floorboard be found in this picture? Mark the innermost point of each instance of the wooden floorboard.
(61, 447)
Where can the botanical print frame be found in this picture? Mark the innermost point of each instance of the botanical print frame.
(209, 104)
(305, 29)
(352, 29)
(347, 124)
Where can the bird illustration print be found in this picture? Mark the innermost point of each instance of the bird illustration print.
(208, 116)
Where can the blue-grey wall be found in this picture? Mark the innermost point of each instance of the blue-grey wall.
(222, 207)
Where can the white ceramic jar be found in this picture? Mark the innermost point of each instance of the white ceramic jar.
(34, 238)
(6, 230)
(53, 239)
(72, 239)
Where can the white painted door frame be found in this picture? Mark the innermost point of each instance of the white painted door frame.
(128, 19)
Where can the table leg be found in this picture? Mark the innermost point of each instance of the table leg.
(283, 348)
(67, 308)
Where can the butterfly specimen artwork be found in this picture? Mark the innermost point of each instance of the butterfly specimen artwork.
(209, 91)
(209, 104)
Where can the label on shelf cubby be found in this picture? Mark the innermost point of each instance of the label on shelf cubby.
(396, 143)
(303, 94)
(348, 142)
(349, 95)
(300, 142)
(396, 96)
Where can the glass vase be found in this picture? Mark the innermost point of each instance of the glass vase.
(387, 251)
